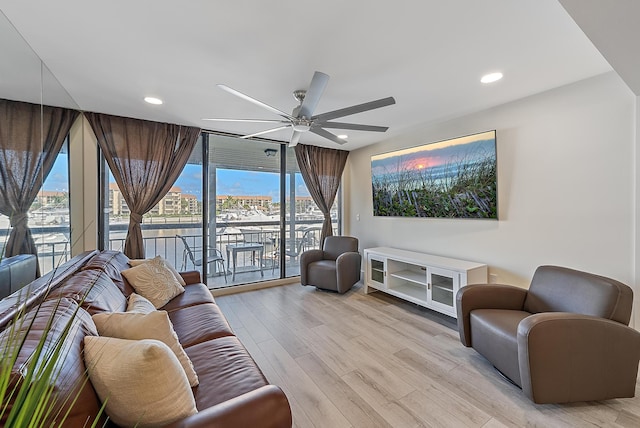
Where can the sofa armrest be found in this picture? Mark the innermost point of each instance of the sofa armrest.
(485, 296)
(348, 270)
(566, 357)
(307, 257)
(191, 277)
(265, 407)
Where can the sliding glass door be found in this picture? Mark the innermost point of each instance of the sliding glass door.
(263, 217)
(244, 208)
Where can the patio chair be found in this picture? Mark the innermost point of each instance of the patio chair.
(214, 256)
(307, 241)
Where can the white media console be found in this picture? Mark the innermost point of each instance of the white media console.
(424, 279)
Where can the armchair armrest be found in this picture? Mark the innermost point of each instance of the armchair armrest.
(307, 257)
(348, 270)
(566, 357)
(265, 407)
(485, 296)
(191, 277)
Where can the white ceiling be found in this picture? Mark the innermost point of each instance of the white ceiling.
(614, 30)
(428, 54)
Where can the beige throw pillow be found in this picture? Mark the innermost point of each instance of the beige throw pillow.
(136, 262)
(154, 325)
(140, 380)
(154, 281)
(138, 304)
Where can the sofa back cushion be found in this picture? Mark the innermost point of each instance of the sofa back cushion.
(112, 263)
(72, 379)
(94, 291)
(559, 289)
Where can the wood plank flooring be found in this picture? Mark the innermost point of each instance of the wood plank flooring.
(358, 360)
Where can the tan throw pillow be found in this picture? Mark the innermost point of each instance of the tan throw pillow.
(154, 325)
(168, 265)
(138, 304)
(140, 380)
(154, 281)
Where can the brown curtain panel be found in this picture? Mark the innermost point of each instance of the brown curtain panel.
(31, 136)
(145, 159)
(321, 170)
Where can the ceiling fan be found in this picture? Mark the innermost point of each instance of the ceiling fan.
(302, 120)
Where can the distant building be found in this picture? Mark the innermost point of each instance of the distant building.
(50, 197)
(175, 203)
(117, 204)
(190, 204)
(304, 204)
(170, 204)
(240, 201)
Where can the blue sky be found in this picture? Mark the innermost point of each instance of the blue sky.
(229, 182)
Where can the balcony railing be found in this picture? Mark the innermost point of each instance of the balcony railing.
(161, 239)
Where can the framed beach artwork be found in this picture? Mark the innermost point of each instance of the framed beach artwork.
(454, 178)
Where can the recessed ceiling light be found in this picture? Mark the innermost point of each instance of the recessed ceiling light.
(153, 100)
(343, 136)
(491, 77)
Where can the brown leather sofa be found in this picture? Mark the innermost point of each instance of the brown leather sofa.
(336, 267)
(565, 339)
(232, 392)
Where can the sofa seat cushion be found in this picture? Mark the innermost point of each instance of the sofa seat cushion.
(225, 369)
(71, 379)
(93, 290)
(194, 294)
(196, 324)
(112, 263)
(495, 336)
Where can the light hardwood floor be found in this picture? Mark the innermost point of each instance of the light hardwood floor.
(358, 360)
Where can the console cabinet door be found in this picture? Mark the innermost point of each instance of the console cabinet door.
(442, 286)
(376, 271)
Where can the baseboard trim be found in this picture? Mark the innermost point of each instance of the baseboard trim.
(234, 289)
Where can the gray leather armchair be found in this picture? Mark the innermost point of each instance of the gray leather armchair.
(336, 267)
(16, 272)
(565, 339)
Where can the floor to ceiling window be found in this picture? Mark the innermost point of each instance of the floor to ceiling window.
(172, 228)
(49, 216)
(248, 204)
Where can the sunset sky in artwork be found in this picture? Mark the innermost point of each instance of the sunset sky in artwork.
(425, 156)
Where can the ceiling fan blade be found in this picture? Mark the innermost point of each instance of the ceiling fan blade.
(247, 120)
(315, 91)
(328, 135)
(295, 138)
(254, 101)
(348, 111)
(279, 128)
(354, 126)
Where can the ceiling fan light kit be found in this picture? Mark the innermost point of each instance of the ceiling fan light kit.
(302, 120)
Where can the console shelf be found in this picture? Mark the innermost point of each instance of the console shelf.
(411, 276)
(427, 280)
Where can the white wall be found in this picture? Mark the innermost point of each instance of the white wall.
(566, 186)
